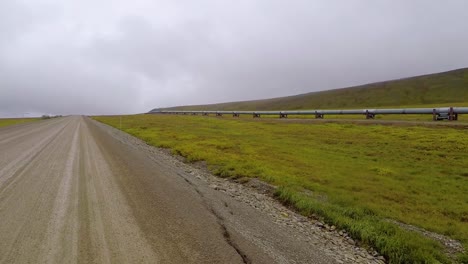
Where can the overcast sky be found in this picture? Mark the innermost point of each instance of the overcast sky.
(120, 56)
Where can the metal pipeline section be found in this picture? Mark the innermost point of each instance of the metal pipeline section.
(439, 113)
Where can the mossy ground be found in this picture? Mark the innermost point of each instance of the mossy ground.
(14, 121)
(446, 88)
(354, 176)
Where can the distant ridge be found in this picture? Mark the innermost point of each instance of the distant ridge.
(449, 87)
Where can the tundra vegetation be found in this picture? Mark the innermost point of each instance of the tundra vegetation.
(353, 176)
(14, 121)
(439, 89)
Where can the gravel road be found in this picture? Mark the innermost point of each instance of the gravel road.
(73, 190)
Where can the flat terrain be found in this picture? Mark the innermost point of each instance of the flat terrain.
(355, 174)
(13, 121)
(73, 190)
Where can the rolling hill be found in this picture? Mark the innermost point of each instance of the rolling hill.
(434, 89)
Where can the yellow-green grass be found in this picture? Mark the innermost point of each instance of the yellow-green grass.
(446, 88)
(353, 176)
(14, 121)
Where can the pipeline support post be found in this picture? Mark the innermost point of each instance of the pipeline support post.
(283, 115)
(255, 115)
(205, 114)
(235, 115)
(219, 114)
(369, 115)
(434, 115)
(318, 116)
(452, 115)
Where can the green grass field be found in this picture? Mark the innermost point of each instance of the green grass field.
(14, 121)
(440, 89)
(353, 176)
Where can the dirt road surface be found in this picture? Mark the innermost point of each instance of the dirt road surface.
(74, 191)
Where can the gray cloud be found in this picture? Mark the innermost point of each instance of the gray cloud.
(119, 57)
